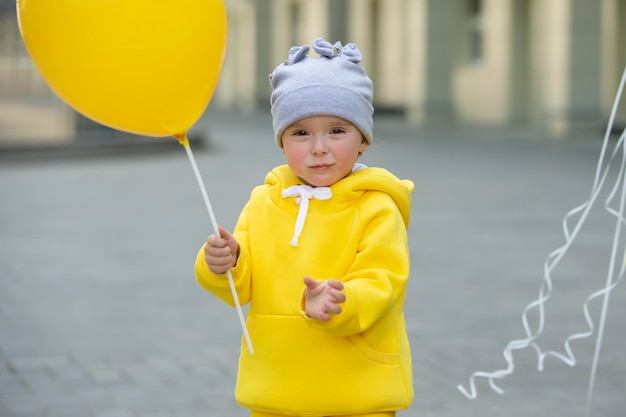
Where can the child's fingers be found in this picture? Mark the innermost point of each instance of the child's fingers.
(224, 234)
(216, 242)
(217, 251)
(323, 316)
(336, 284)
(336, 296)
(332, 308)
(313, 287)
(335, 291)
(218, 255)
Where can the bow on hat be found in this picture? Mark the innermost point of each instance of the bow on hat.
(326, 49)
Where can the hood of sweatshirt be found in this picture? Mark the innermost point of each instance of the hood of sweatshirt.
(349, 189)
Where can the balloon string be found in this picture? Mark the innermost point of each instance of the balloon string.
(610, 283)
(185, 142)
(553, 259)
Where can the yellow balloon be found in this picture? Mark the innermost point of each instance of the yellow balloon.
(147, 67)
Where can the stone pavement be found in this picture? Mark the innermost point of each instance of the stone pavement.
(100, 315)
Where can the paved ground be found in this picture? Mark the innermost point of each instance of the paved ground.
(100, 315)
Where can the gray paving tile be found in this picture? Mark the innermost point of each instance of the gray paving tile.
(100, 315)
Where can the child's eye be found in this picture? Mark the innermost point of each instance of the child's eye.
(337, 131)
(299, 133)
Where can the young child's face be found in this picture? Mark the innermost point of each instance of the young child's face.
(321, 150)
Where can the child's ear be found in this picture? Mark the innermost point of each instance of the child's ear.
(364, 145)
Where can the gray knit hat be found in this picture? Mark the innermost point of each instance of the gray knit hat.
(334, 84)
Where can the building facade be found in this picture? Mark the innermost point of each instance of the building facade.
(553, 64)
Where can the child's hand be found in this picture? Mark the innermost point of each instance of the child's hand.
(220, 254)
(322, 298)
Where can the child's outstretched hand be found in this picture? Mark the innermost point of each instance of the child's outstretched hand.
(322, 298)
(220, 254)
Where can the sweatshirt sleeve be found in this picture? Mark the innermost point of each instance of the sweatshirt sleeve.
(377, 279)
(218, 284)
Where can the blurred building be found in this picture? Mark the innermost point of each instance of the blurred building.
(29, 112)
(551, 64)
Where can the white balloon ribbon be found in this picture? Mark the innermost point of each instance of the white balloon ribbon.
(614, 275)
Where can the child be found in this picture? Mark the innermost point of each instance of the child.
(320, 252)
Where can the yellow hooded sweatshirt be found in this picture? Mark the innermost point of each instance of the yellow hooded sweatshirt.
(359, 361)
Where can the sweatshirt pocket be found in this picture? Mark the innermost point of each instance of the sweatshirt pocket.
(250, 325)
(373, 354)
(294, 367)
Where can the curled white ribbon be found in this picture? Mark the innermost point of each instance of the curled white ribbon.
(613, 277)
(304, 194)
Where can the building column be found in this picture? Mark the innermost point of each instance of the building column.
(441, 39)
(484, 84)
(237, 85)
(390, 88)
(568, 53)
(552, 54)
(281, 26)
(313, 21)
(416, 49)
(360, 11)
(613, 59)
(519, 66)
(585, 64)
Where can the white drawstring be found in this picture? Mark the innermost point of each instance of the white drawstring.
(304, 194)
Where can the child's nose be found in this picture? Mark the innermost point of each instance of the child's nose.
(320, 146)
